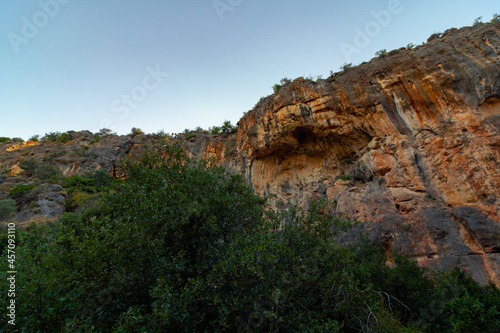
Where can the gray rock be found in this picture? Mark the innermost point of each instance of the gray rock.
(50, 208)
(51, 196)
(486, 231)
(55, 188)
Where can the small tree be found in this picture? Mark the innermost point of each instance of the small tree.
(29, 166)
(495, 19)
(228, 128)
(136, 131)
(105, 132)
(46, 172)
(345, 67)
(477, 21)
(276, 88)
(215, 129)
(381, 53)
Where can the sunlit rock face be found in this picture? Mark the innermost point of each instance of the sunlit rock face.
(409, 142)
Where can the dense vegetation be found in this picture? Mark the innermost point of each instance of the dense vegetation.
(182, 246)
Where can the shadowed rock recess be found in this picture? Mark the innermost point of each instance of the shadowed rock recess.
(408, 142)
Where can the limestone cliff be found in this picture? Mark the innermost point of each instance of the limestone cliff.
(409, 142)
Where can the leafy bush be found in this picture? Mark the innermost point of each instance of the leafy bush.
(21, 189)
(284, 81)
(495, 19)
(4, 139)
(381, 53)
(477, 21)
(34, 138)
(47, 172)
(345, 67)
(136, 131)
(33, 205)
(94, 182)
(345, 177)
(225, 128)
(103, 133)
(57, 137)
(161, 135)
(7, 208)
(82, 183)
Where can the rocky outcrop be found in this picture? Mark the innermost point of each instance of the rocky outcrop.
(409, 142)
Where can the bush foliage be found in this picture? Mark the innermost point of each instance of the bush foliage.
(182, 246)
(7, 208)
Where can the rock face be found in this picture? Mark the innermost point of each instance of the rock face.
(409, 142)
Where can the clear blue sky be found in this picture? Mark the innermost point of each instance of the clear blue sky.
(171, 65)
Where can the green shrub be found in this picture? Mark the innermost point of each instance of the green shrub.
(215, 130)
(34, 138)
(495, 19)
(64, 138)
(410, 46)
(57, 137)
(347, 66)
(161, 135)
(29, 165)
(381, 53)
(345, 177)
(136, 131)
(477, 21)
(7, 208)
(102, 179)
(228, 128)
(21, 189)
(33, 205)
(4, 139)
(82, 183)
(225, 128)
(46, 172)
(5, 172)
